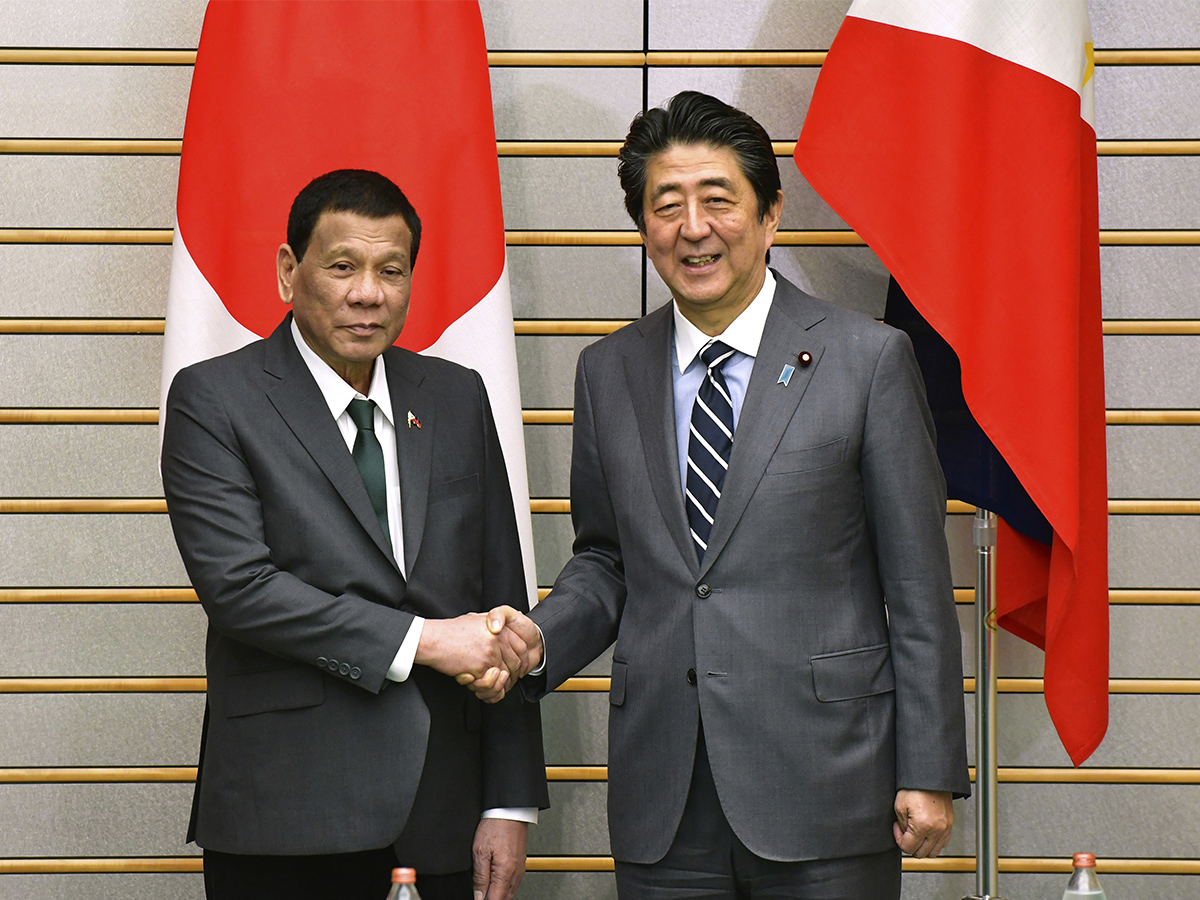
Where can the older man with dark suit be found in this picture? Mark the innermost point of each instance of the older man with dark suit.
(343, 510)
(758, 512)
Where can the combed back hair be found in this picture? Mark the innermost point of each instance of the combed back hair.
(358, 191)
(694, 118)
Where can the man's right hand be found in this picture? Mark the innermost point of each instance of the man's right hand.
(520, 641)
(467, 647)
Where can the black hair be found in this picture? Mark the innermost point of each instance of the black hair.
(694, 118)
(358, 191)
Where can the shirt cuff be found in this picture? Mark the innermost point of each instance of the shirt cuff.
(541, 667)
(527, 814)
(401, 666)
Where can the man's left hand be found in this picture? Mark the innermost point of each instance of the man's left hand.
(924, 820)
(499, 855)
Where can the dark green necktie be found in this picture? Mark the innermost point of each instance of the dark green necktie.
(368, 456)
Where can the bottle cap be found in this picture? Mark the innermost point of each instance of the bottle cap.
(1085, 860)
(404, 876)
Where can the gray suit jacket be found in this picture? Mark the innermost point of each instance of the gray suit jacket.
(818, 641)
(307, 748)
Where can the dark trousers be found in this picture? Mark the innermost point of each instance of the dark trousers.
(706, 861)
(335, 876)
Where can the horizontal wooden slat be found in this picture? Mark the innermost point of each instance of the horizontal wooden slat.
(549, 505)
(575, 238)
(1149, 238)
(577, 773)
(98, 775)
(1152, 326)
(95, 56)
(1152, 417)
(102, 685)
(1148, 148)
(1064, 775)
(1186, 57)
(30, 415)
(97, 595)
(547, 416)
(582, 327)
(57, 325)
(1007, 864)
(86, 235)
(91, 146)
(1154, 597)
(586, 683)
(1180, 686)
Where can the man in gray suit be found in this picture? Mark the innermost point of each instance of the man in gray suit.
(343, 510)
(758, 512)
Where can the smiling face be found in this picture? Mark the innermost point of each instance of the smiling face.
(349, 294)
(703, 232)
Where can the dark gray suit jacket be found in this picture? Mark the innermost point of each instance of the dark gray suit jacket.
(818, 641)
(308, 749)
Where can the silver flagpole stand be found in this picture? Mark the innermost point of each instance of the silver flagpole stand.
(987, 873)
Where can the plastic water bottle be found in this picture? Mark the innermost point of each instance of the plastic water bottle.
(1084, 885)
(404, 885)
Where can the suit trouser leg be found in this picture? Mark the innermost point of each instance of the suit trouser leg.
(335, 876)
(706, 861)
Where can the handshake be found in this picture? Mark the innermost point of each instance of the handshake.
(487, 652)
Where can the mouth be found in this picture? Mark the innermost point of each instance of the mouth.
(699, 262)
(363, 329)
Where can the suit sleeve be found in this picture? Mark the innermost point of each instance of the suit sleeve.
(582, 614)
(514, 767)
(905, 495)
(217, 516)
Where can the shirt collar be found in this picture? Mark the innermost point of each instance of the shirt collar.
(334, 389)
(743, 334)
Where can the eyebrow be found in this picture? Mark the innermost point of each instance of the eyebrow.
(669, 186)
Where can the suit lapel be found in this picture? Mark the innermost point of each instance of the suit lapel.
(651, 391)
(768, 406)
(301, 405)
(414, 445)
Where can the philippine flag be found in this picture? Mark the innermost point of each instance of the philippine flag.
(286, 91)
(957, 138)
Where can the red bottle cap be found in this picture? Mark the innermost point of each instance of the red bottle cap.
(408, 876)
(1085, 860)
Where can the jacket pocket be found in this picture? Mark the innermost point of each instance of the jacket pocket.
(616, 693)
(455, 487)
(849, 674)
(809, 458)
(278, 689)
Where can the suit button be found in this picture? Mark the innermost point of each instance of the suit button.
(344, 669)
(333, 665)
(322, 661)
(703, 591)
(355, 673)
(691, 676)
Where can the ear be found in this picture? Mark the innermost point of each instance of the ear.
(285, 269)
(771, 219)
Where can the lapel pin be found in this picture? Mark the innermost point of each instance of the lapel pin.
(805, 359)
(786, 375)
(413, 420)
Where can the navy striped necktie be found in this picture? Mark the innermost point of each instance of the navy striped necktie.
(709, 445)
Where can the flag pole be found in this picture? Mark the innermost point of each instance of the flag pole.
(986, 845)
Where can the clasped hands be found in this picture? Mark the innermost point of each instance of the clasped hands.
(487, 652)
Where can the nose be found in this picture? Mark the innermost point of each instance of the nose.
(695, 225)
(366, 290)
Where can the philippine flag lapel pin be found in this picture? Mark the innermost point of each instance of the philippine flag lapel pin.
(413, 420)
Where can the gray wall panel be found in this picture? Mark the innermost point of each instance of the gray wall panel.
(84, 280)
(1147, 642)
(61, 461)
(100, 729)
(1149, 282)
(80, 370)
(547, 368)
(1143, 102)
(552, 537)
(548, 457)
(1149, 191)
(140, 886)
(101, 639)
(563, 104)
(954, 885)
(576, 282)
(94, 101)
(554, 25)
(569, 826)
(102, 23)
(1151, 371)
(1144, 23)
(78, 820)
(777, 97)
(961, 542)
(575, 728)
(1153, 461)
(745, 25)
(1153, 551)
(88, 191)
(573, 885)
(565, 192)
(89, 551)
